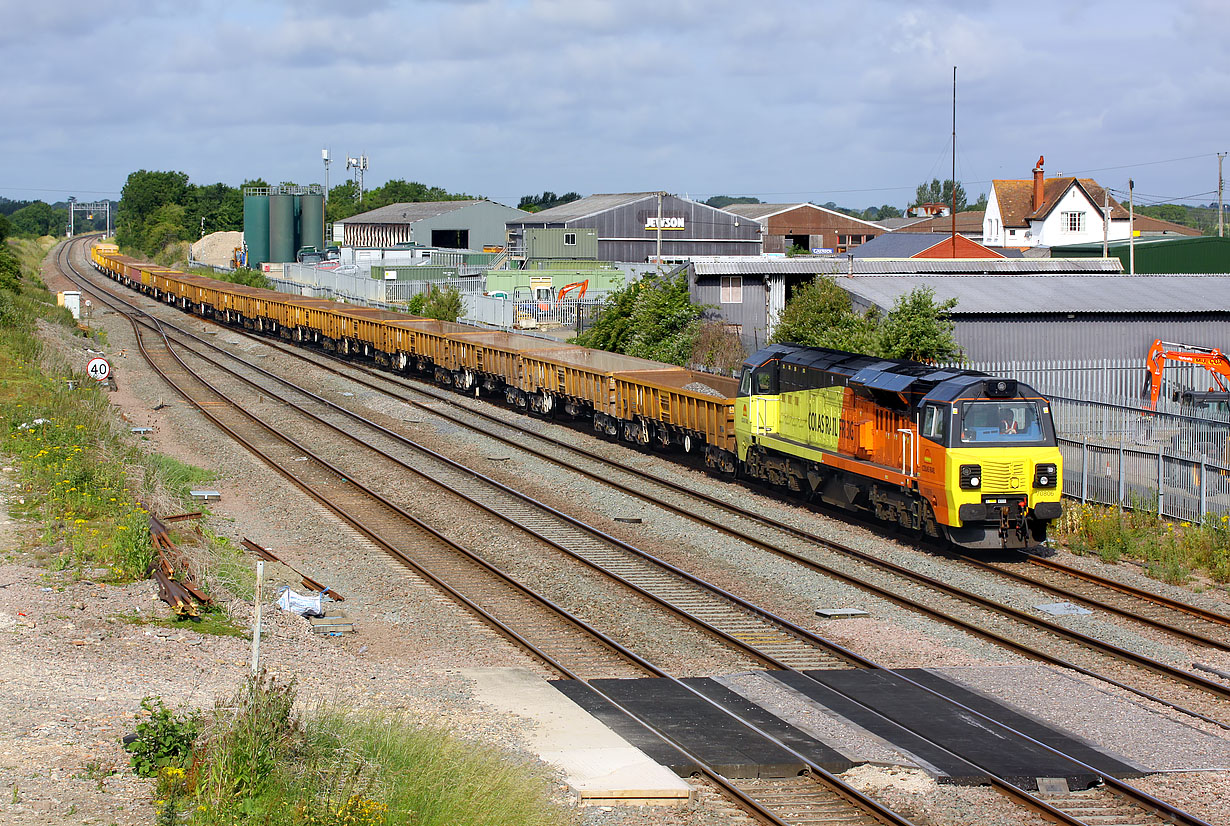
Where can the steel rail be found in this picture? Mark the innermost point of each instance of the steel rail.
(856, 798)
(1041, 805)
(1151, 664)
(797, 532)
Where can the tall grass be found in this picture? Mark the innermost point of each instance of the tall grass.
(79, 473)
(261, 763)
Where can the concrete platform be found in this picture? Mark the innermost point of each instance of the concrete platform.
(600, 766)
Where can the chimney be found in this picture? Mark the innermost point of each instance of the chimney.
(1038, 184)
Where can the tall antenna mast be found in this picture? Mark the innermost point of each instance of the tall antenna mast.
(954, 161)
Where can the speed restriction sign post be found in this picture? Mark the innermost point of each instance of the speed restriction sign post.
(98, 369)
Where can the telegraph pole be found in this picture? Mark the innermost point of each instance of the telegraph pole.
(660, 194)
(1220, 186)
(954, 161)
(1131, 228)
(1106, 221)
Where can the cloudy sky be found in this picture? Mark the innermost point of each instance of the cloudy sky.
(787, 100)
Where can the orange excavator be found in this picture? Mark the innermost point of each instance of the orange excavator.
(579, 286)
(1213, 360)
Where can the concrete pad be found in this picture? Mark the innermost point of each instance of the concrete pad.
(601, 767)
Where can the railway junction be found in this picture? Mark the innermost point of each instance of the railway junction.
(540, 582)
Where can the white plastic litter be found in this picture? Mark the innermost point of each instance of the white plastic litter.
(302, 604)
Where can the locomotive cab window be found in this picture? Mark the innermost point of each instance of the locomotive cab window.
(1007, 422)
(934, 421)
(745, 383)
(764, 381)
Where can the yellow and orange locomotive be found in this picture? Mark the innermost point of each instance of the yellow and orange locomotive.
(950, 452)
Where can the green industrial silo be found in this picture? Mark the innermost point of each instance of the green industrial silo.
(312, 221)
(256, 228)
(281, 228)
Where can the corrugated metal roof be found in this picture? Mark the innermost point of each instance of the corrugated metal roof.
(408, 213)
(894, 224)
(1053, 293)
(763, 265)
(758, 212)
(589, 205)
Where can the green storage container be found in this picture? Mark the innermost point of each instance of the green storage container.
(312, 221)
(282, 229)
(256, 229)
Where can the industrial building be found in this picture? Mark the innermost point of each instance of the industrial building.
(1055, 317)
(1160, 254)
(633, 226)
(466, 224)
(750, 293)
(815, 229)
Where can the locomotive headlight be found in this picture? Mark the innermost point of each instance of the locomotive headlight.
(1046, 476)
(971, 476)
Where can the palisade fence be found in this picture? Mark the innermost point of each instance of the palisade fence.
(1118, 452)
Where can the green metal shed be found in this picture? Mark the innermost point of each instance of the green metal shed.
(1160, 256)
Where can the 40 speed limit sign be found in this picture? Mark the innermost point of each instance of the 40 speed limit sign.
(98, 369)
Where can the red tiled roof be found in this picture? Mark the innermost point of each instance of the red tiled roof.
(1016, 197)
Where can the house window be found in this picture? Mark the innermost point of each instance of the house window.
(732, 289)
(1012, 232)
(570, 239)
(1074, 222)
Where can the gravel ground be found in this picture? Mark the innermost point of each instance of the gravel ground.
(411, 641)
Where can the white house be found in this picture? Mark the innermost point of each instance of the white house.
(1048, 212)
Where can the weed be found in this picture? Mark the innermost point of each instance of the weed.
(1170, 551)
(16, 794)
(164, 740)
(97, 771)
(213, 621)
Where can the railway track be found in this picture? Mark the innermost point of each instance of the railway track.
(1143, 675)
(1179, 619)
(528, 619)
(320, 473)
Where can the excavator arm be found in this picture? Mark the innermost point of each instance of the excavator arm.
(580, 287)
(1213, 360)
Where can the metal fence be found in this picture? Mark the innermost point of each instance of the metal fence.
(1118, 452)
(406, 290)
(572, 316)
(1128, 476)
(1114, 381)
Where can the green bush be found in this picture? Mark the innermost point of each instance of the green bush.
(162, 741)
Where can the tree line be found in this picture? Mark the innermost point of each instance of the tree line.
(159, 208)
(930, 192)
(37, 218)
(656, 319)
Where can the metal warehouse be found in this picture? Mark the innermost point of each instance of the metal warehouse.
(1161, 254)
(1054, 317)
(470, 224)
(751, 292)
(632, 226)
